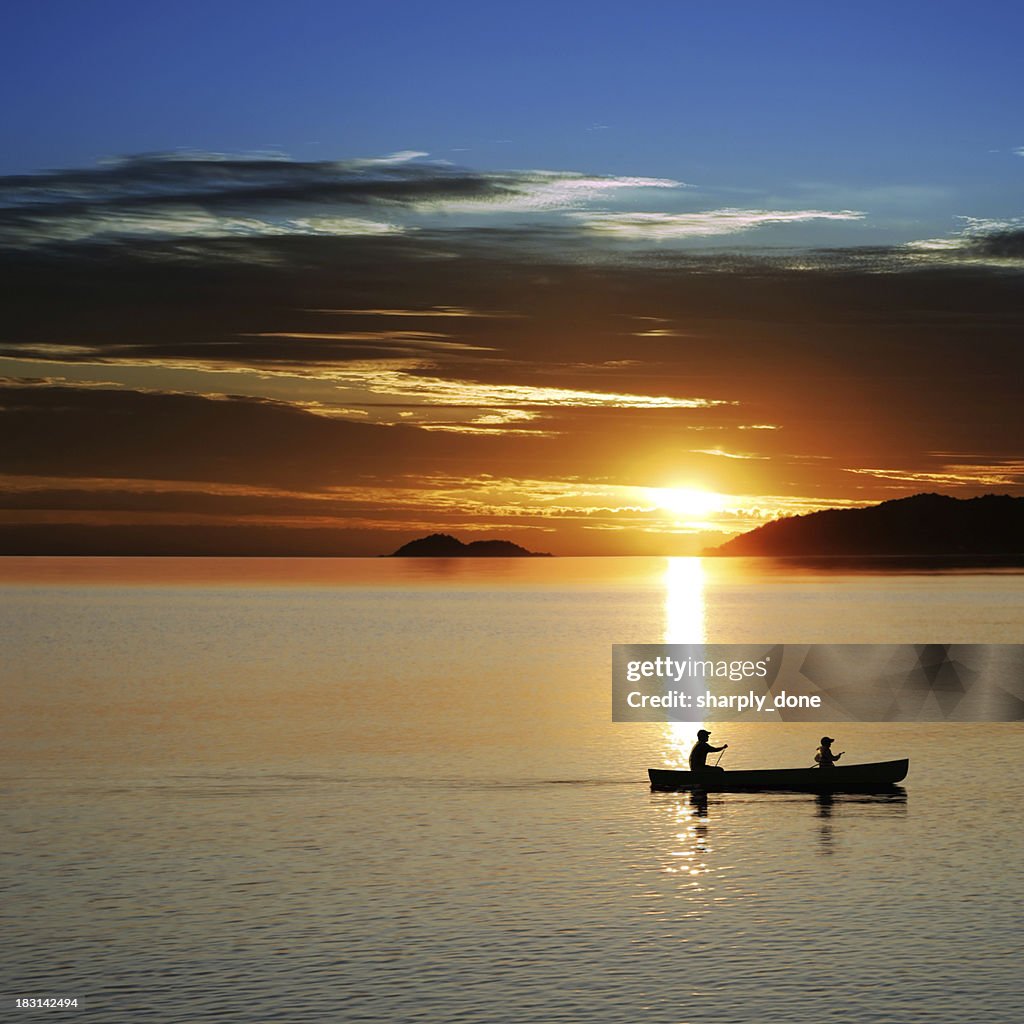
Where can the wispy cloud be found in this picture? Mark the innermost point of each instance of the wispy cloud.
(979, 240)
(1004, 473)
(431, 311)
(258, 203)
(205, 195)
(547, 190)
(704, 224)
(403, 156)
(722, 453)
(171, 223)
(388, 390)
(407, 380)
(500, 423)
(391, 341)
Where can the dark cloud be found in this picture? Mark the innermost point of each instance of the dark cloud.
(124, 300)
(239, 184)
(48, 430)
(909, 360)
(173, 196)
(1000, 244)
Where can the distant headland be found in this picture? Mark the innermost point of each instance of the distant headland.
(443, 545)
(925, 524)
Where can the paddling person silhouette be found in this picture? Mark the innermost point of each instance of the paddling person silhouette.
(824, 756)
(699, 754)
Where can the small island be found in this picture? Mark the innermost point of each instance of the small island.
(924, 524)
(443, 545)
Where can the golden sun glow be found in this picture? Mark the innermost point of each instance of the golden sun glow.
(687, 501)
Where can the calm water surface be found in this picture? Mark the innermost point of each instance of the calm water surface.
(381, 790)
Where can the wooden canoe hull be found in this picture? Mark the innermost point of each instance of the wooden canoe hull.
(849, 778)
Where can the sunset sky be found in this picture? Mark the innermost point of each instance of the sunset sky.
(597, 280)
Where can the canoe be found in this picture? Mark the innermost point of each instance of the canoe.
(848, 777)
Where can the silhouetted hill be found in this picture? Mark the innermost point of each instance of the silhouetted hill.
(925, 524)
(443, 545)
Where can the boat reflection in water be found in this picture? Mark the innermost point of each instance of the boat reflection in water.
(827, 803)
(707, 842)
(683, 836)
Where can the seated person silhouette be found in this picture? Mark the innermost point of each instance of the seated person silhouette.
(699, 754)
(824, 756)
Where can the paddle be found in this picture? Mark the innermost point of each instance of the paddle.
(722, 751)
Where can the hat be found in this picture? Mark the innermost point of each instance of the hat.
(827, 739)
(702, 732)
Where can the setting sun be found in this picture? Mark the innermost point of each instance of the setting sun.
(687, 501)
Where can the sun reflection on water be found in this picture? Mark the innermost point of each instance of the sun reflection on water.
(684, 878)
(685, 623)
(685, 609)
(690, 848)
(683, 825)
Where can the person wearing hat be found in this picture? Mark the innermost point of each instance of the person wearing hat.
(824, 756)
(701, 749)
